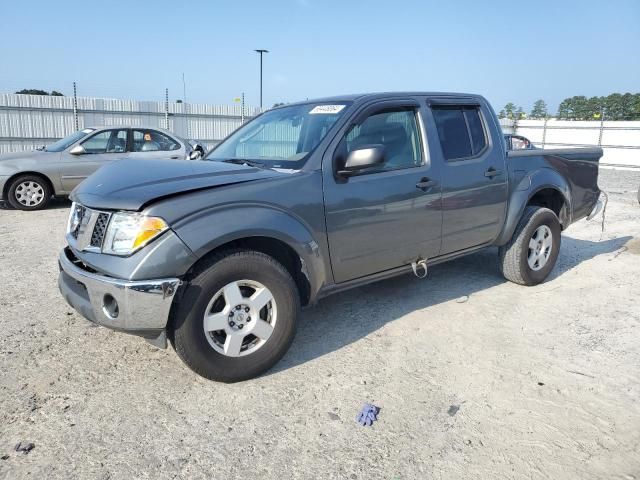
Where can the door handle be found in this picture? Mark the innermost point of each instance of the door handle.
(492, 172)
(425, 183)
(174, 157)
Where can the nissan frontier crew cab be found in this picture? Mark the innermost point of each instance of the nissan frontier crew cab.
(305, 200)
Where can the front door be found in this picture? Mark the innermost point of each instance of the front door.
(101, 148)
(390, 216)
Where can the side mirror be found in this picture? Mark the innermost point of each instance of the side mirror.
(362, 158)
(77, 150)
(195, 155)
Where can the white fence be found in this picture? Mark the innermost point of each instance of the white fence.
(29, 121)
(620, 140)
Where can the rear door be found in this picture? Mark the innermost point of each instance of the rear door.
(152, 144)
(101, 148)
(386, 217)
(474, 177)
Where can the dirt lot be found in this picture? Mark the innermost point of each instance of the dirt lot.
(476, 377)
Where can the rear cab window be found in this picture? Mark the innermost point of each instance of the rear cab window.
(461, 131)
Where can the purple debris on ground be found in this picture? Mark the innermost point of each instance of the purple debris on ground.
(367, 415)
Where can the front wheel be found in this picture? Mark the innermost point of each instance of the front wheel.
(237, 316)
(29, 192)
(531, 254)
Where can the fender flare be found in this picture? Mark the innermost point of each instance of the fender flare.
(213, 228)
(522, 193)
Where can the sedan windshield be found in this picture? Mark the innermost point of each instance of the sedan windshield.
(61, 144)
(280, 138)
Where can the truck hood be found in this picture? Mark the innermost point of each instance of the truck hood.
(131, 184)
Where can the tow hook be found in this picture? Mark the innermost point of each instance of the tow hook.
(419, 268)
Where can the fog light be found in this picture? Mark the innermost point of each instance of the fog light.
(110, 307)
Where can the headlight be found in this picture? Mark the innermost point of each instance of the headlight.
(128, 232)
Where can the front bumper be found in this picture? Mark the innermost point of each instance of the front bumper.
(137, 307)
(3, 182)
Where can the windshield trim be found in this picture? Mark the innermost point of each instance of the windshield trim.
(283, 163)
(84, 132)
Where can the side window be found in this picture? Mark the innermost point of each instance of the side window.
(460, 130)
(397, 130)
(108, 141)
(476, 129)
(153, 141)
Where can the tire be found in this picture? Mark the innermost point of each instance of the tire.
(539, 228)
(250, 271)
(29, 192)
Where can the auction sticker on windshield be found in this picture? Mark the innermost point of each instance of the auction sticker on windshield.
(326, 109)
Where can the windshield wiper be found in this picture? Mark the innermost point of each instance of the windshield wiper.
(244, 161)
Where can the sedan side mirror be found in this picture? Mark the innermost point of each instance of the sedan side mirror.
(195, 155)
(77, 150)
(362, 158)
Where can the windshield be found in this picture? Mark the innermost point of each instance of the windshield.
(60, 145)
(280, 138)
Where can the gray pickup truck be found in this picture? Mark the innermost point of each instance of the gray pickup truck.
(306, 200)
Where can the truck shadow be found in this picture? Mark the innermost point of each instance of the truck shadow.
(344, 318)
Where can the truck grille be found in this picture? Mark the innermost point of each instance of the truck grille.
(99, 230)
(87, 228)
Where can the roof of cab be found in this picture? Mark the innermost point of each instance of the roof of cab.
(382, 95)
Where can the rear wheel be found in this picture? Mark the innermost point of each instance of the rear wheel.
(532, 252)
(29, 192)
(237, 316)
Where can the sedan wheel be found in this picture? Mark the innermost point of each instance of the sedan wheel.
(29, 192)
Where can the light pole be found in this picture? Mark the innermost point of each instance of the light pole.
(261, 52)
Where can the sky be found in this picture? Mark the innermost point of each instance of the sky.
(504, 50)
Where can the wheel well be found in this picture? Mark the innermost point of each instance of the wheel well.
(8, 183)
(278, 250)
(553, 200)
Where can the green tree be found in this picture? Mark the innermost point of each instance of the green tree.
(502, 114)
(613, 107)
(277, 104)
(509, 110)
(36, 91)
(520, 114)
(596, 105)
(32, 91)
(539, 110)
(627, 106)
(564, 110)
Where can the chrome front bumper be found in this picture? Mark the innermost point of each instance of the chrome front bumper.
(137, 307)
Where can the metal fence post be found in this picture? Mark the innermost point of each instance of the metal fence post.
(242, 110)
(166, 108)
(75, 106)
(544, 131)
(601, 126)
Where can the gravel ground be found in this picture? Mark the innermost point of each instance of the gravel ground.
(476, 377)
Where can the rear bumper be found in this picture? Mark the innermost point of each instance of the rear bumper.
(136, 307)
(601, 203)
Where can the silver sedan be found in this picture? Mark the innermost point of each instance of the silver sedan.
(28, 180)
